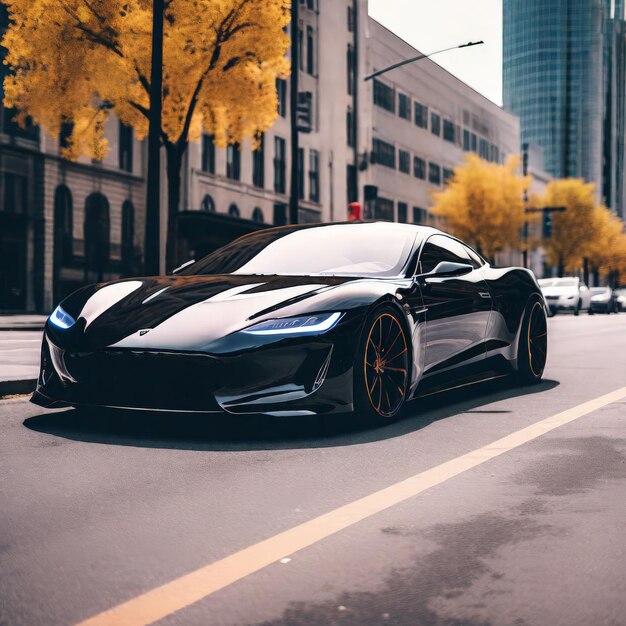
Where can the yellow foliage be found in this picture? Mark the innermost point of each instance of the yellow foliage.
(221, 59)
(607, 250)
(575, 229)
(483, 204)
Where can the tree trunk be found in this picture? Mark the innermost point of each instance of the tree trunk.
(561, 266)
(586, 270)
(174, 162)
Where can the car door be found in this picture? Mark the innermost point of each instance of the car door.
(457, 308)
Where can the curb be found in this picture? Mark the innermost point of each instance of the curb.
(17, 387)
(20, 328)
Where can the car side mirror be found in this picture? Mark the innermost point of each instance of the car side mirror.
(448, 269)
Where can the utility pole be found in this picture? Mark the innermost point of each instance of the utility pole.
(152, 250)
(294, 195)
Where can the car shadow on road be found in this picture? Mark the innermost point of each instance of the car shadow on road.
(219, 432)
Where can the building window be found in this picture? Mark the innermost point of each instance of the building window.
(434, 174)
(421, 115)
(351, 69)
(403, 209)
(383, 209)
(314, 176)
(125, 147)
(466, 140)
(435, 124)
(63, 226)
(207, 204)
(64, 134)
(404, 106)
(420, 216)
(233, 210)
(233, 162)
(301, 48)
(350, 128)
(281, 94)
(473, 143)
(384, 153)
(350, 19)
(351, 183)
(208, 154)
(404, 161)
(495, 154)
(258, 164)
(310, 4)
(448, 131)
(447, 175)
(384, 96)
(257, 216)
(279, 165)
(301, 173)
(128, 238)
(310, 51)
(483, 149)
(419, 168)
(280, 214)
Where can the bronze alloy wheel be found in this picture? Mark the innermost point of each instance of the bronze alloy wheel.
(537, 340)
(385, 365)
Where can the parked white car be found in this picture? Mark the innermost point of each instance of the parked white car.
(565, 294)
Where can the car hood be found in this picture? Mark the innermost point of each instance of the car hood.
(188, 312)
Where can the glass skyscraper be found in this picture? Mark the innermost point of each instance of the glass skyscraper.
(563, 74)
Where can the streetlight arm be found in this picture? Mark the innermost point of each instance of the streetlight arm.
(421, 56)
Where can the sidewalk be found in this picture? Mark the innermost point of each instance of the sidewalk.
(19, 360)
(22, 322)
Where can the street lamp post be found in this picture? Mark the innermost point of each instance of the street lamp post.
(294, 191)
(419, 57)
(152, 253)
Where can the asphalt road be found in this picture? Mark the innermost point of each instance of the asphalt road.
(95, 511)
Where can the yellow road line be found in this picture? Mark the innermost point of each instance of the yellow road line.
(157, 603)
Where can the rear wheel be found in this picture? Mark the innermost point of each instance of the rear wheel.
(579, 305)
(533, 344)
(381, 371)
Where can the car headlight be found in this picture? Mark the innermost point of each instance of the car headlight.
(307, 324)
(61, 318)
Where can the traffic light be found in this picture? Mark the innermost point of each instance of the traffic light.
(547, 224)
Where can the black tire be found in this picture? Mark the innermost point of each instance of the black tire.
(532, 348)
(381, 382)
(579, 306)
(590, 311)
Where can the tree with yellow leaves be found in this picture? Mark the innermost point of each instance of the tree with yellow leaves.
(483, 204)
(607, 250)
(573, 230)
(76, 60)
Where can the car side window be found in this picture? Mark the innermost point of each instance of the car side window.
(475, 260)
(440, 248)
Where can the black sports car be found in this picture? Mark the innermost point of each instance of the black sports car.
(298, 320)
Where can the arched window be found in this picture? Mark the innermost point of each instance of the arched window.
(97, 237)
(233, 210)
(128, 238)
(257, 216)
(208, 204)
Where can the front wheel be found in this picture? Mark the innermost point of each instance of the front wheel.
(532, 348)
(381, 369)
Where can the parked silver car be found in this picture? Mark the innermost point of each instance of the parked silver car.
(565, 294)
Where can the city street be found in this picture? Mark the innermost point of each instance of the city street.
(98, 509)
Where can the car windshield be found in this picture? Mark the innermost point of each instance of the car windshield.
(557, 282)
(374, 249)
(599, 290)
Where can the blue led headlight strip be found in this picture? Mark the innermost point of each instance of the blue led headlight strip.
(61, 318)
(307, 324)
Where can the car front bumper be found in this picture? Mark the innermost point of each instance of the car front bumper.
(309, 376)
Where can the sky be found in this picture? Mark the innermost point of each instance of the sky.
(431, 25)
